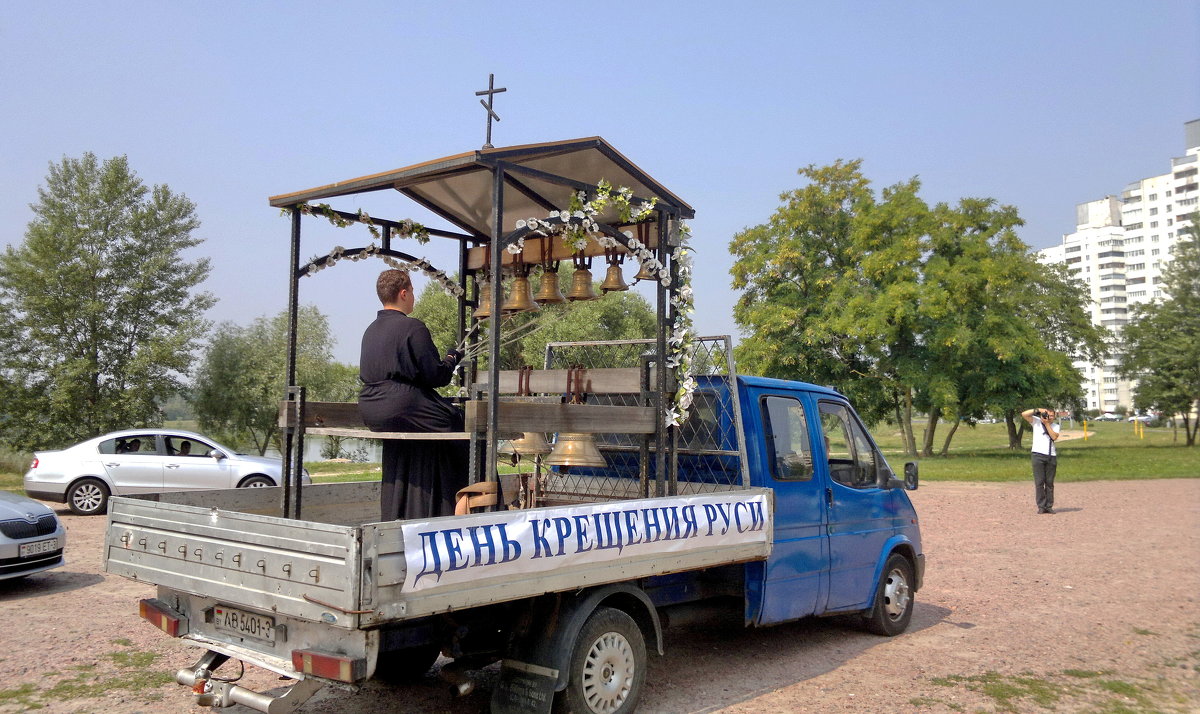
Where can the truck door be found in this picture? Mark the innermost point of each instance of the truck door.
(860, 513)
(795, 577)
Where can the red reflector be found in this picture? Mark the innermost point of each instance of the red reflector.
(34, 464)
(329, 666)
(164, 618)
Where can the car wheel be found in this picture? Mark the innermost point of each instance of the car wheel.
(88, 497)
(893, 598)
(256, 482)
(607, 666)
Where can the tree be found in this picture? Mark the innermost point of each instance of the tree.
(241, 379)
(99, 316)
(902, 306)
(1162, 342)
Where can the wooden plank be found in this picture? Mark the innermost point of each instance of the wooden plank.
(532, 254)
(577, 418)
(323, 414)
(620, 380)
(399, 435)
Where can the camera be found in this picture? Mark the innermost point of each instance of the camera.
(1039, 414)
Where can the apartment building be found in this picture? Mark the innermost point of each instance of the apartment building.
(1119, 249)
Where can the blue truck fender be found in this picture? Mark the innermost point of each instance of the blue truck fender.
(901, 544)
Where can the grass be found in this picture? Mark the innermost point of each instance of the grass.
(132, 674)
(1016, 693)
(1113, 451)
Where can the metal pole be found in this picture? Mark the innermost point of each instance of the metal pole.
(293, 315)
(493, 424)
(660, 359)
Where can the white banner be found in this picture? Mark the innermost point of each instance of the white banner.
(448, 551)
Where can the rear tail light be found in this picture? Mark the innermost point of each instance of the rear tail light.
(33, 465)
(329, 666)
(164, 618)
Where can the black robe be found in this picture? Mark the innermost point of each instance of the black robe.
(400, 368)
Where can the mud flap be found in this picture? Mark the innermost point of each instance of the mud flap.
(524, 688)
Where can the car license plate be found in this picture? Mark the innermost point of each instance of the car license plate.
(42, 546)
(244, 624)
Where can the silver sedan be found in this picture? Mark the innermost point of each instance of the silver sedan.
(137, 461)
(31, 537)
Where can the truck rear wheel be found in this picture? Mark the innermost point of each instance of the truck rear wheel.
(607, 666)
(893, 598)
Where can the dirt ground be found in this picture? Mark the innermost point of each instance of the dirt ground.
(1094, 608)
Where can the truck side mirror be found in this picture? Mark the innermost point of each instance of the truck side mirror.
(910, 476)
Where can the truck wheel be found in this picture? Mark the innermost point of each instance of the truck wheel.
(607, 666)
(88, 497)
(407, 664)
(893, 598)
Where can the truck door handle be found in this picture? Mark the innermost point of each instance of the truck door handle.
(829, 496)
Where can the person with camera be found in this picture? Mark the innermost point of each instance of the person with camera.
(1045, 455)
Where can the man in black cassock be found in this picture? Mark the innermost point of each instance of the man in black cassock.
(400, 368)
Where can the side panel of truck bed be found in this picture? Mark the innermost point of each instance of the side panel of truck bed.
(293, 567)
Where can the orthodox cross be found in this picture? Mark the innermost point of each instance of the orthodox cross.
(490, 92)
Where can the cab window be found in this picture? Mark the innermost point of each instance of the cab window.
(853, 460)
(787, 439)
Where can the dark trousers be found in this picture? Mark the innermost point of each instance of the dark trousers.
(1044, 468)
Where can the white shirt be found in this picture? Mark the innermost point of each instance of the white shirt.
(1042, 443)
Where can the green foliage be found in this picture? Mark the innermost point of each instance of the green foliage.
(616, 316)
(902, 305)
(1162, 340)
(242, 377)
(98, 314)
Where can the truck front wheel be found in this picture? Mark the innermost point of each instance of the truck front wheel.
(893, 598)
(607, 666)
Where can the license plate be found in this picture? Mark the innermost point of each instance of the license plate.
(244, 624)
(42, 546)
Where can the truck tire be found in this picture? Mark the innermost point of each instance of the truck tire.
(893, 598)
(88, 497)
(607, 666)
(406, 665)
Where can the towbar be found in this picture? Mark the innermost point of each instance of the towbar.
(226, 694)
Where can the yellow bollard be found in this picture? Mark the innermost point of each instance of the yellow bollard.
(1085, 434)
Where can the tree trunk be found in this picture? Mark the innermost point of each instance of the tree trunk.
(910, 441)
(1014, 439)
(930, 430)
(949, 436)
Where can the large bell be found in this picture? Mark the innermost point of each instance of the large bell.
(572, 449)
(531, 443)
(613, 280)
(581, 286)
(520, 298)
(549, 293)
(484, 311)
(645, 273)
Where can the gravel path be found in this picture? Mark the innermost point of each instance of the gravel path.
(1092, 609)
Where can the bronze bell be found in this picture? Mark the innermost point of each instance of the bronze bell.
(572, 449)
(484, 311)
(520, 299)
(581, 286)
(549, 293)
(645, 273)
(613, 280)
(531, 443)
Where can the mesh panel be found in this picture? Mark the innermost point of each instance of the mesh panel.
(17, 530)
(707, 444)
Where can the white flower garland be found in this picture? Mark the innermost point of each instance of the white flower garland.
(315, 265)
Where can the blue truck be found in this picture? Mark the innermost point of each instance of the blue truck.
(673, 486)
(784, 508)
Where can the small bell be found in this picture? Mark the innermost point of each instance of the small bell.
(531, 443)
(572, 449)
(613, 280)
(484, 311)
(521, 297)
(645, 273)
(548, 293)
(581, 286)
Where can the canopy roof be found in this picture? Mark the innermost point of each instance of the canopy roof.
(539, 178)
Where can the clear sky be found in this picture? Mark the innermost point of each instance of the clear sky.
(1041, 105)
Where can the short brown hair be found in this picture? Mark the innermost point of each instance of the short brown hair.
(390, 283)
